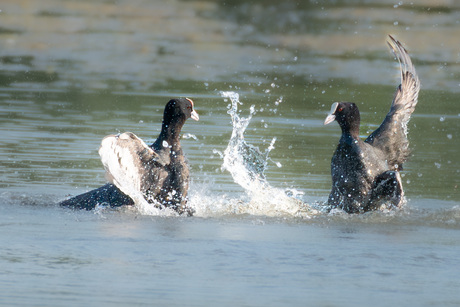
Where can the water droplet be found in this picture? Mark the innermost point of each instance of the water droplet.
(449, 136)
(189, 136)
(165, 144)
(442, 118)
(438, 165)
(279, 100)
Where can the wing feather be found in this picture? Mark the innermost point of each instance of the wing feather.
(128, 161)
(391, 135)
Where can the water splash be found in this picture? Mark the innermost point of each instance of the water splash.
(247, 164)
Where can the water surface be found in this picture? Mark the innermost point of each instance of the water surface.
(72, 72)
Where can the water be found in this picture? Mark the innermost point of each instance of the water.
(263, 78)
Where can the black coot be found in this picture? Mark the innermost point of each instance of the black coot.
(365, 174)
(158, 173)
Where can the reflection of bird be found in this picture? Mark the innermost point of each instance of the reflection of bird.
(366, 174)
(158, 173)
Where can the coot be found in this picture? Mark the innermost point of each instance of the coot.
(365, 174)
(158, 173)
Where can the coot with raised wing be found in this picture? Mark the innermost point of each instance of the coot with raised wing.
(365, 174)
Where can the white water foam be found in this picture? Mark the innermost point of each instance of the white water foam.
(246, 164)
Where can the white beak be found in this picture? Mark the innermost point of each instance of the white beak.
(195, 115)
(331, 117)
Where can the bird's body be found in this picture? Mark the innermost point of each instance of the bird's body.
(355, 166)
(158, 174)
(366, 173)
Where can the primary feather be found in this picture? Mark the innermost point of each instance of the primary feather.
(391, 136)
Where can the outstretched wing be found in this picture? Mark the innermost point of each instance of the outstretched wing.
(391, 136)
(128, 162)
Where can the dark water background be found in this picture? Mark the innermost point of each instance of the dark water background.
(72, 72)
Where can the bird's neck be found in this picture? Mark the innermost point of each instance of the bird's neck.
(350, 129)
(170, 133)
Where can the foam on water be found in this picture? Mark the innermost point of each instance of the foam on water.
(246, 164)
(424, 212)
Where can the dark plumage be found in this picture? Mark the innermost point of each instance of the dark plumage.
(158, 174)
(365, 174)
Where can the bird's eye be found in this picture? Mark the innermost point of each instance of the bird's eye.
(340, 109)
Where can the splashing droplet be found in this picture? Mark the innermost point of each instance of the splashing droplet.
(189, 136)
(247, 164)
